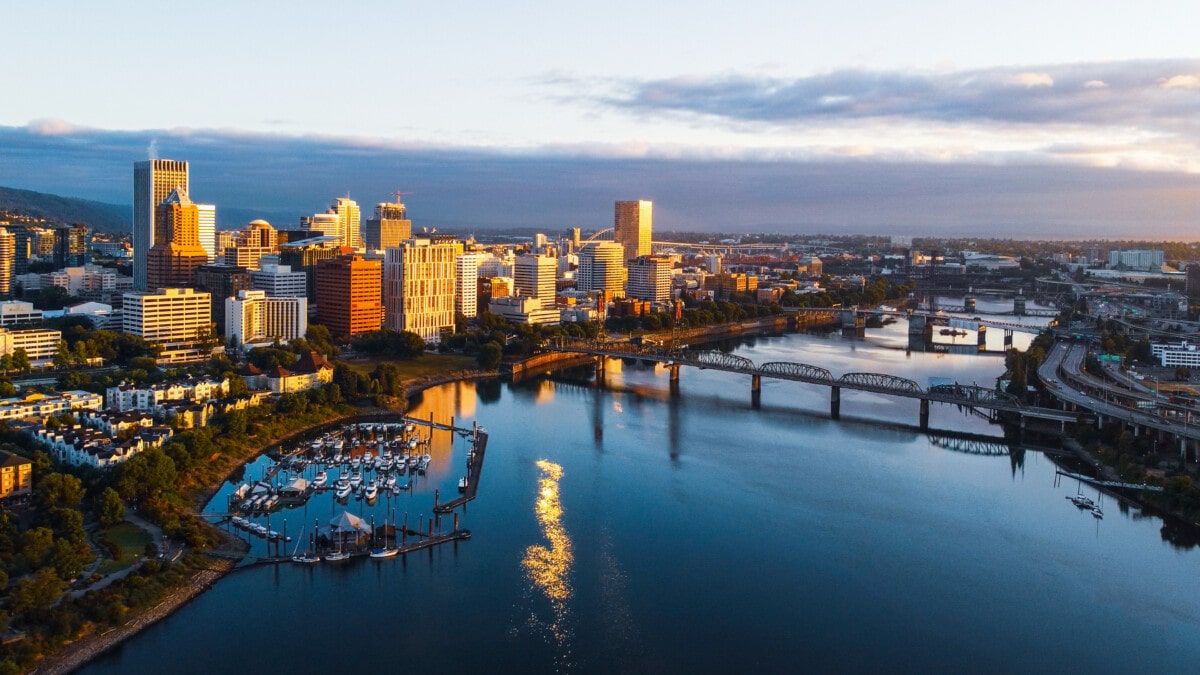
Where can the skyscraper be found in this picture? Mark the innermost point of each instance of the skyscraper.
(650, 279)
(349, 295)
(602, 268)
(70, 246)
(153, 180)
(177, 253)
(632, 222)
(8, 254)
(466, 284)
(419, 278)
(349, 221)
(388, 228)
(208, 229)
(20, 235)
(535, 277)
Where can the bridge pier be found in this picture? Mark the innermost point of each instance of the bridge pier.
(924, 414)
(674, 368)
(835, 402)
(755, 390)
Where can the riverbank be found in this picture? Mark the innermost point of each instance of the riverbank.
(78, 653)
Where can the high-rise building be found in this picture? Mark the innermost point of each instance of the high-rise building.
(207, 229)
(179, 320)
(649, 279)
(323, 225)
(305, 254)
(349, 221)
(20, 235)
(170, 263)
(419, 284)
(221, 282)
(8, 255)
(535, 276)
(153, 180)
(70, 246)
(254, 318)
(388, 228)
(466, 284)
(632, 222)
(349, 295)
(279, 281)
(602, 268)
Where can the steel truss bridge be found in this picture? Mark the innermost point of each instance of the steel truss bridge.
(967, 396)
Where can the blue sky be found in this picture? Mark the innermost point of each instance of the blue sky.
(920, 117)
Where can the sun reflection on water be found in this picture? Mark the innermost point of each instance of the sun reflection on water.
(549, 568)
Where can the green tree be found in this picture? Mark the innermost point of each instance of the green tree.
(37, 591)
(65, 559)
(35, 544)
(62, 354)
(489, 356)
(20, 360)
(58, 490)
(110, 510)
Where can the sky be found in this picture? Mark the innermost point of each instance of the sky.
(1026, 119)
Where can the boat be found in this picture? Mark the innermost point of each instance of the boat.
(306, 559)
(238, 522)
(320, 479)
(390, 482)
(1097, 513)
(343, 490)
(356, 462)
(336, 556)
(462, 484)
(356, 480)
(372, 490)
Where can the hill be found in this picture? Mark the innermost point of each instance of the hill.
(66, 210)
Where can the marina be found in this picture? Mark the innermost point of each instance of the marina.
(363, 465)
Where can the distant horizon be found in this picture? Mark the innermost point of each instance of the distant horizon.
(280, 178)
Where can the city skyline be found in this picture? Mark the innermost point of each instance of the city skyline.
(931, 118)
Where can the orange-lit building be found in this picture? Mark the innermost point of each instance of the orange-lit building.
(171, 262)
(350, 295)
(16, 475)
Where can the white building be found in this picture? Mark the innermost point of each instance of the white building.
(1175, 355)
(419, 288)
(252, 318)
(40, 345)
(519, 309)
(179, 320)
(124, 398)
(279, 281)
(13, 312)
(602, 268)
(101, 314)
(44, 405)
(206, 228)
(535, 277)
(1136, 259)
(466, 284)
(650, 279)
(86, 279)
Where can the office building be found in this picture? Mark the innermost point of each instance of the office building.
(466, 284)
(419, 285)
(207, 229)
(153, 181)
(649, 279)
(17, 312)
(16, 475)
(349, 221)
(8, 255)
(349, 294)
(602, 268)
(529, 311)
(177, 319)
(279, 281)
(1136, 259)
(70, 246)
(252, 318)
(170, 263)
(535, 276)
(388, 228)
(21, 249)
(40, 344)
(221, 282)
(632, 222)
(304, 255)
(323, 225)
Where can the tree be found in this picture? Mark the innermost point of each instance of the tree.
(110, 510)
(20, 360)
(65, 559)
(36, 591)
(59, 490)
(489, 356)
(35, 544)
(62, 354)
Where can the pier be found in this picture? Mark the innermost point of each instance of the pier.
(474, 471)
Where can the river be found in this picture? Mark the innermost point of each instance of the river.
(623, 529)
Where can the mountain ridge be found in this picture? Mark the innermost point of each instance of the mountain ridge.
(114, 218)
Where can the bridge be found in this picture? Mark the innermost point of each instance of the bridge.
(968, 396)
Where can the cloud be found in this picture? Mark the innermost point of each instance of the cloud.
(52, 127)
(1137, 94)
(849, 188)
(1182, 82)
(1031, 80)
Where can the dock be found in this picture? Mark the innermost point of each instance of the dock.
(474, 471)
(1112, 483)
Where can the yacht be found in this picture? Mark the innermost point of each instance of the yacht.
(391, 481)
(384, 552)
(462, 484)
(306, 559)
(336, 556)
(356, 479)
(321, 479)
(372, 490)
(343, 490)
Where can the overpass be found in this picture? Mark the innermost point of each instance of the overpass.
(968, 396)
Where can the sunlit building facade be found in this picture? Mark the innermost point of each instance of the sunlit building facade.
(632, 224)
(419, 281)
(153, 181)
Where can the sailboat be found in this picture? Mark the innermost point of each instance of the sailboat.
(308, 558)
(384, 551)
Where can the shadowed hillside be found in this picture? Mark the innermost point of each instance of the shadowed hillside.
(66, 210)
